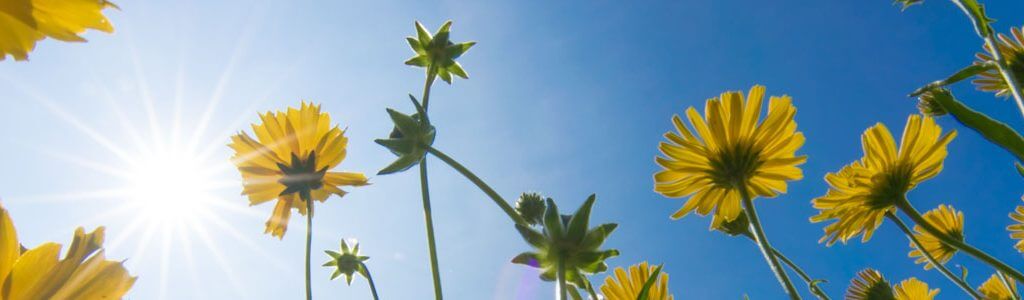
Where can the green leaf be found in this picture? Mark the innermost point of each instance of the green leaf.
(964, 73)
(532, 237)
(420, 110)
(552, 220)
(443, 73)
(646, 290)
(574, 293)
(580, 220)
(994, 131)
(397, 146)
(976, 11)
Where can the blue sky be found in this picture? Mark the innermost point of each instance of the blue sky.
(566, 98)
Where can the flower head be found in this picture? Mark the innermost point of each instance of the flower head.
(862, 193)
(628, 285)
(409, 139)
(929, 106)
(732, 148)
(1017, 228)
(25, 22)
(531, 206)
(1012, 49)
(945, 219)
(567, 240)
(869, 285)
(913, 289)
(995, 289)
(290, 162)
(39, 273)
(348, 262)
(437, 53)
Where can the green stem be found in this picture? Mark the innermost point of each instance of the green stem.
(762, 242)
(369, 278)
(590, 289)
(429, 220)
(993, 47)
(309, 240)
(815, 289)
(561, 281)
(931, 259)
(914, 215)
(1009, 287)
(426, 91)
(511, 212)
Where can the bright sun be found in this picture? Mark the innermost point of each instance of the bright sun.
(170, 187)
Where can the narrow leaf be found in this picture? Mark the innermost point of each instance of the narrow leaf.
(646, 290)
(964, 73)
(992, 130)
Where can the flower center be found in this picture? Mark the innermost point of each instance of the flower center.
(735, 164)
(891, 185)
(301, 176)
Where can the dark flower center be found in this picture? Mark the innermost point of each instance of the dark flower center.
(891, 185)
(735, 164)
(301, 176)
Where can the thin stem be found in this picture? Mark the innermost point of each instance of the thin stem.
(993, 47)
(914, 215)
(762, 242)
(931, 259)
(1009, 287)
(511, 212)
(369, 278)
(426, 91)
(561, 281)
(429, 220)
(309, 240)
(590, 289)
(815, 289)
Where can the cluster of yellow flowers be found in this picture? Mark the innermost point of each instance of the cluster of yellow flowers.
(720, 161)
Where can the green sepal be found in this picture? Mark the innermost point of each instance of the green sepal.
(409, 140)
(574, 293)
(422, 35)
(532, 237)
(527, 258)
(580, 220)
(968, 72)
(552, 220)
(415, 45)
(646, 289)
(992, 130)
(418, 61)
(596, 237)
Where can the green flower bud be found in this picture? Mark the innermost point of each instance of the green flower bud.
(409, 140)
(437, 53)
(531, 207)
(927, 104)
(567, 240)
(348, 262)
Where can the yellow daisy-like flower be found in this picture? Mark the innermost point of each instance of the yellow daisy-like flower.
(914, 289)
(627, 285)
(945, 219)
(1017, 229)
(869, 285)
(289, 162)
(1012, 49)
(863, 192)
(23, 22)
(732, 148)
(995, 289)
(39, 273)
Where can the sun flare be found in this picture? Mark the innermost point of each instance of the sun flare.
(170, 187)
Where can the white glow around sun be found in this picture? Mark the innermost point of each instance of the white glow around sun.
(170, 187)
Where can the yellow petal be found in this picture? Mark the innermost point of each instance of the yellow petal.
(9, 247)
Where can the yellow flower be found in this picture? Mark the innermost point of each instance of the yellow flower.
(913, 289)
(732, 148)
(869, 285)
(1012, 49)
(995, 289)
(863, 192)
(23, 22)
(945, 219)
(1017, 229)
(39, 273)
(627, 285)
(289, 162)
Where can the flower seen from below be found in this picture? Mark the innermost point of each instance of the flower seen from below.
(946, 219)
(1017, 228)
(1012, 48)
(289, 161)
(913, 289)
(728, 148)
(995, 289)
(627, 285)
(39, 273)
(861, 193)
(567, 240)
(25, 22)
(531, 207)
(347, 262)
(437, 53)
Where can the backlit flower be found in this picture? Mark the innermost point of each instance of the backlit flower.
(913, 289)
(869, 285)
(1017, 228)
(40, 273)
(732, 148)
(437, 53)
(862, 193)
(24, 22)
(347, 262)
(1012, 48)
(947, 220)
(995, 289)
(628, 285)
(289, 162)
